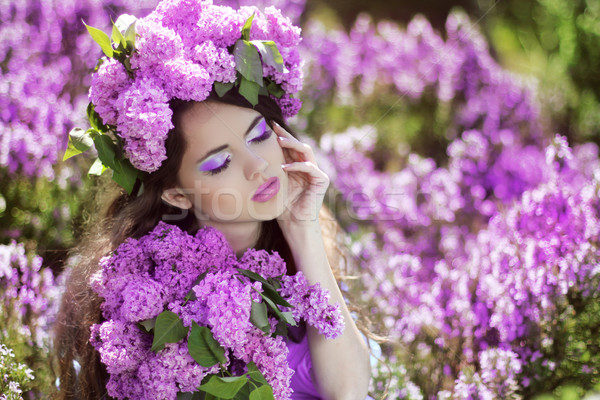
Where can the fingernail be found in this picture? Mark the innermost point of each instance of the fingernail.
(284, 166)
(281, 138)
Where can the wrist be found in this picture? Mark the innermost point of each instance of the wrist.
(300, 230)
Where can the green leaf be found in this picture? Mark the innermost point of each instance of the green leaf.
(107, 150)
(255, 374)
(224, 387)
(98, 64)
(268, 288)
(275, 90)
(101, 38)
(249, 90)
(246, 28)
(97, 168)
(264, 392)
(282, 316)
(258, 316)
(247, 61)
(270, 54)
(222, 88)
(148, 324)
(117, 37)
(252, 275)
(130, 36)
(272, 294)
(168, 329)
(79, 141)
(190, 396)
(203, 347)
(244, 392)
(281, 329)
(262, 91)
(125, 174)
(95, 119)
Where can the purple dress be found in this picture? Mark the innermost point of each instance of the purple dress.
(299, 360)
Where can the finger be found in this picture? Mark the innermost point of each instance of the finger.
(304, 149)
(282, 132)
(308, 167)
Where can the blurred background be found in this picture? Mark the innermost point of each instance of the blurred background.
(461, 141)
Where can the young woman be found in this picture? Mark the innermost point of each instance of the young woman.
(233, 166)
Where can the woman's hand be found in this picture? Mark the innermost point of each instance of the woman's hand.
(341, 366)
(307, 183)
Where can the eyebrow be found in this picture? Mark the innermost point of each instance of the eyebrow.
(224, 146)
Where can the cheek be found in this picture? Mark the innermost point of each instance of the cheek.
(222, 201)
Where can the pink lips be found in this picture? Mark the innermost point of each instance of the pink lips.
(267, 190)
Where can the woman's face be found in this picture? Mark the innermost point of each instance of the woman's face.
(231, 168)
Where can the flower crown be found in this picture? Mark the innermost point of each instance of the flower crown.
(183, 50)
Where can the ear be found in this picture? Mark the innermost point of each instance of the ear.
(177, 198)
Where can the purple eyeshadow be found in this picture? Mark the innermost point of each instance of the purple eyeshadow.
(214, 162)
(262, 126)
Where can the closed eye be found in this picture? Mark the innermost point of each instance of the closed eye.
(220, 168)
(261, 132)
(216, 163)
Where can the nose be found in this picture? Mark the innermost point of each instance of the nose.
(255, 165)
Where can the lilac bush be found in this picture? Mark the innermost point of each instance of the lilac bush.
(46, 55)
(29, 297)
(473, 279)
(27, 293)
(14, 376)
(472, 264)
(458, 71)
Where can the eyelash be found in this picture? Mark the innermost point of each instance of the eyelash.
(221, 168)
(261, 138)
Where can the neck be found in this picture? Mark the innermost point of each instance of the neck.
(240, 236)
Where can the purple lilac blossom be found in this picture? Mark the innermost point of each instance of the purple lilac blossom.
(497, 275)
(47, 55)
(311, 303)
(292, 9)
(180, 53)
(28, 292)
(143, 277)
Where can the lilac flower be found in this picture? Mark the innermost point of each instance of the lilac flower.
(292, 9)
(197, 278)
(311, 303)
(264, 264)
(228, 303)
(47, 56)
(122, 346)
(28, 293)
(182, 50)
(142, 300)
(144, 122)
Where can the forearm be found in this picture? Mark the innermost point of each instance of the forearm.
(341, 365)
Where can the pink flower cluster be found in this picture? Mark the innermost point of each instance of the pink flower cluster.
(181, 51)
(158, 272)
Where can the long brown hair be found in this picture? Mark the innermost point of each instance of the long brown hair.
(81, 374)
